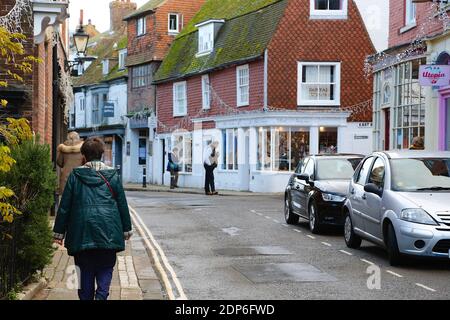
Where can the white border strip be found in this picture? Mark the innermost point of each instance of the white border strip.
(140, 225)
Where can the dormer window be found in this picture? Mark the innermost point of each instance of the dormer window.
(328, 9)
(206, 34)
(206, 39)
(122, 58)
(105, 67)
(174, 23)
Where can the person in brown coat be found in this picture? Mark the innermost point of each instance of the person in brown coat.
(69, 157)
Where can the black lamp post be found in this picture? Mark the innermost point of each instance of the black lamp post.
(81, 39)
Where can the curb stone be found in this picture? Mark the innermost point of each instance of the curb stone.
(33, 289)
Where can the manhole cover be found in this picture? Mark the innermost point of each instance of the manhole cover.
(277, 272)
(253, 251)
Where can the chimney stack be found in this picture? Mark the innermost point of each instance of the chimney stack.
(119, 9)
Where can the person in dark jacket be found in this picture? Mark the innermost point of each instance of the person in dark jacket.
(94, 221)
(173, 167)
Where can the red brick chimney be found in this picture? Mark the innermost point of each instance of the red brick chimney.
(119, 9)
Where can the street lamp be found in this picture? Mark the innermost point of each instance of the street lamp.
(81, 39)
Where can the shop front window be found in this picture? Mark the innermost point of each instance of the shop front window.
(409, 109)
(281, 149)
(183, 142)
(230, 149)
(328, 140)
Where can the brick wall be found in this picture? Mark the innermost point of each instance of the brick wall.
(153, 46)
(300, 39)
(187, 9)
(223, 83)
(424, 26)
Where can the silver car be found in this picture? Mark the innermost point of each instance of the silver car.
(401, 201)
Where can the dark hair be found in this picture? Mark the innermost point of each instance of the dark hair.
(93, 149)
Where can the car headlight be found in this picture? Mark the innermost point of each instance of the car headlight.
(332, 197)
(417, 216)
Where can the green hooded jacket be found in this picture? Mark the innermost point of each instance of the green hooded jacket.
(89, 217)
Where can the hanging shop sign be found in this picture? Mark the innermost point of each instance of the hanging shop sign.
(434, 75)
(108, 110)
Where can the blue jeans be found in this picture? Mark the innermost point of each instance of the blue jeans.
(95, 266)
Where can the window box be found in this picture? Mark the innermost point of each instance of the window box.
(319, 84)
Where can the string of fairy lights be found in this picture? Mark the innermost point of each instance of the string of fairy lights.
(383, 60)
(13, 20)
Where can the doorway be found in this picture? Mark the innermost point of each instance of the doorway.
(387, 129)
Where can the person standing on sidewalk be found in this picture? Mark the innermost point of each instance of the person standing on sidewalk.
(173, 167)
(69, 158)
(210, 161)
(94, 220)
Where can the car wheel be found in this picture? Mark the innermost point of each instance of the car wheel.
(395, 257)
(352, 240)
(314, 224)
(289, 216)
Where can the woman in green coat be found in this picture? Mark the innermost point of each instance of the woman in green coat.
(94, 221)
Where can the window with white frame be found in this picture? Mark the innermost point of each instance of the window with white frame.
(319, 84)
(410, 13)
(141, 26)
(282, 149)
(174, 23)
(122, 58)
(105, 67)
(243, 85)
(206, 92)
(205, 39)
(183, 142)
(230, 149)
(179, 99)
(328, 9)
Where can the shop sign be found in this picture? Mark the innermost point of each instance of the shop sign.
(108, 110)
(434, 75)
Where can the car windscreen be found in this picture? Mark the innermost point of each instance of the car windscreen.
(411, 175)
(336, 169)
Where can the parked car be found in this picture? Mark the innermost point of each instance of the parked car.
(401, 201)
(317, 190)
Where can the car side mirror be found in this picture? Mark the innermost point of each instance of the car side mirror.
(303, 177)
(374, 189)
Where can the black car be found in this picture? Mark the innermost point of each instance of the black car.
(317, 190)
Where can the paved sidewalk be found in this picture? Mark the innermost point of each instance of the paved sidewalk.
(133, 279)
(160, 188)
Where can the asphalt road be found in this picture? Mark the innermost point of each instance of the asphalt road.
(229, 247)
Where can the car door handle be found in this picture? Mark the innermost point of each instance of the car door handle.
(364, 197)
(297, 187)
(352, 192)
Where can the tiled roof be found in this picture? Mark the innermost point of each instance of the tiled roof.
(149, 6)
(248, 28)
(103, 47)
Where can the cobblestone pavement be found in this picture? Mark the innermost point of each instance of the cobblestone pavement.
(133, 278)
